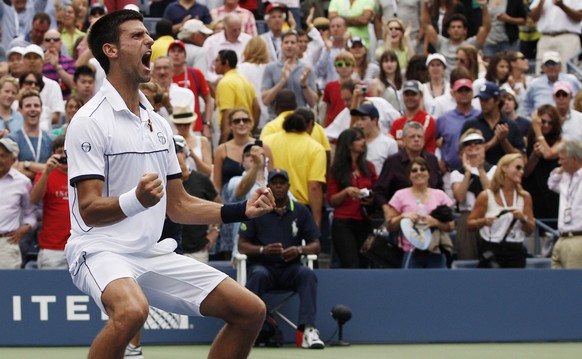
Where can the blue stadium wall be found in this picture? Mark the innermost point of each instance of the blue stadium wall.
(388, 306)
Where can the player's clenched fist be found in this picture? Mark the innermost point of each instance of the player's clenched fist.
(150, 190)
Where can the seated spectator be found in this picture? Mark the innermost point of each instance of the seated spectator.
(571, 119)
(437, 85)
(357, 16)
(503, 215)
(518, 79)
(11, 119)
(164, 37)
(275, 16)
(344, 66)
(498, 72)
(509, 109)
(389, 81)
(70, 34)
(232, 7)
(567, 252)
(17, 213)
(84, 83)
(51, 190)
(58, 67)
(364, 70)
(349, 192)
(417, 203)
(544, 140)
(397, 39)
(194, 34)
(335, 43)
(412, 94)
(41, 23)
(15, 61)
(274, 246)
(467, 183)
(181, 11)
(501, 134)
(72, 105)
(446, 102)
(256, 58)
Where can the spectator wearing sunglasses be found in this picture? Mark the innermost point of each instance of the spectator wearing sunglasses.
(571, 119)
(344, 66)
(58, 67)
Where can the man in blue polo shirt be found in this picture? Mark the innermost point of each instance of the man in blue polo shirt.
(501, 134)
(274, 246)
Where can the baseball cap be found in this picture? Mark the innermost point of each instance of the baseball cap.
(551, 56)
(131, 7)
(275, 6)
(248, 146)
(97, 8)
(16, 50)
(177, 43)
(365, 110)
(473, 137)
(562, 86)
(460, 83)
(34, 49)
(436, 56)
(278, 172)
(355, 40)
(411, 85)
(10, 146)
(488, 90)
(193, 26)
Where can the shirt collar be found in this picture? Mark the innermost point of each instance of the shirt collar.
(116, 101)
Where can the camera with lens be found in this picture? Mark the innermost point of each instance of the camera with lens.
(62, 160)
(365, 192)
(362, 87)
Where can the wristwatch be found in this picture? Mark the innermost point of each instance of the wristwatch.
(27, 165)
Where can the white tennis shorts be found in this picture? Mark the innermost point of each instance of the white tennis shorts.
(171, 282)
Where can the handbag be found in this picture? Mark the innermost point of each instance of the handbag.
(381, 248)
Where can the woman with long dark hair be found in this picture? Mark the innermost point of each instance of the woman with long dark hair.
(389, 81)
(498, 72)
(349, 192)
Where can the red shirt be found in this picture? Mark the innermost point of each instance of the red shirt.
(198, 86)
(332, 96)
(351, 208)
(56, 219)
(429, 129)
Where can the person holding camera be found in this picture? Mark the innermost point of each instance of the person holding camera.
(51, 187)
(349, 193)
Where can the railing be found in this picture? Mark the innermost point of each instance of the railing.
(572, 66)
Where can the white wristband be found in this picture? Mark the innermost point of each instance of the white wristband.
(130, 205)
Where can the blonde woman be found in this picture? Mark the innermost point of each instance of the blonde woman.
(256, 58)
(344, 66)
(397, 39)
(503, 215)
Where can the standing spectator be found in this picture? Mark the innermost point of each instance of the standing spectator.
(417, 203)
(233, 91)
(357, 14)
(15, 61)
(256, 58)
(389, 81)
(335, 43)
(503, 214)
(181, 11)
(18, 214)
(498, 72)
(501, 135)
(344, 66)
(192, 79)
(509, 109)
(543, 145)
(232, 7)
(408, 11)
(505, 16)
(194, 34)
(412, 95)
(397, 39)
(70, 34)
(72, 105)
(379, 146)
(274, 246)
(364, 70)
(35, 144)
(565, 180)
(518, 79)
(468, 59)
(288, 73)
(40, 25)
(449, 125)
(394, 174)
(456, 26)
(560, 23)
(11, 119)
(540, 89)
(17, 18)
(285, 104)
(306, 168)
(164, 38)
(275, 16)
(571, 119)
(84, 81)
(349, 192)
(58, 67)
(467, 182)
(51, 189)
(437, 84)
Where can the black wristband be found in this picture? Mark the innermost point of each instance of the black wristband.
(234, 212)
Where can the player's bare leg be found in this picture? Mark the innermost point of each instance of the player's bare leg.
(128, 309)
(243, 313)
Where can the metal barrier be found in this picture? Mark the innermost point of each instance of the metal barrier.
(572, 66)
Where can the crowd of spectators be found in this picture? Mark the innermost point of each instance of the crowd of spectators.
(378, 111)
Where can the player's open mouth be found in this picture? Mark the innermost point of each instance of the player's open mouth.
(146, 60)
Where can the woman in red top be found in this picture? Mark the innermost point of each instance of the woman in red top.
(349, 192)
(344, 66)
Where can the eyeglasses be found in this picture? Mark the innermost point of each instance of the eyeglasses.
(52, 39)
(417, 169)
(391, 28)
(549, 123)
(551, 64)
(561, 94)
(238, 121)
(472, 142)
(519, 167)
(343, 64)
(464, 90)
(31, 83)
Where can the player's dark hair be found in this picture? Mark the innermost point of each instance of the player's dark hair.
(228, 56)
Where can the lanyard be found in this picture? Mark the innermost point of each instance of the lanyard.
(505, 202)
(36, 153)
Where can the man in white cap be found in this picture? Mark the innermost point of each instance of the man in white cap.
(249, 25)
(17, 213)
(51, 94)
(571, 119)
(193, 33)
(560, 22)
(539, 91)
(15, 63)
